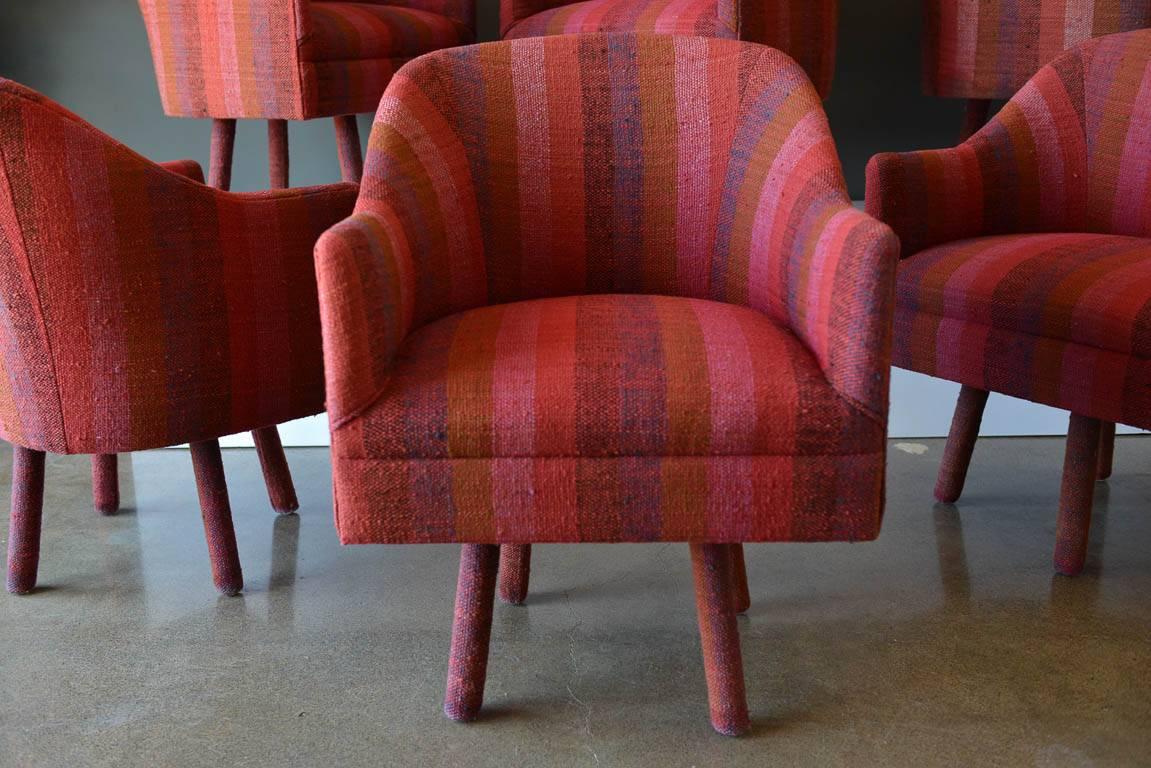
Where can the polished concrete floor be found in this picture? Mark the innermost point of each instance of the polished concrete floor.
(948, 642)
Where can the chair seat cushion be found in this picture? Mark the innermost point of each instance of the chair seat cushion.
(607, 418)
(353, 31)
(1059, 318)
(610, 375)
(675, 17)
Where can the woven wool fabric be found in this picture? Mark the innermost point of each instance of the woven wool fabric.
(291, 59)
(1060, 319)
(988, 50)
(139, 308)
(1059, 313)
(487, 381)
(804, 29)
(609, 375)
(1068, 153)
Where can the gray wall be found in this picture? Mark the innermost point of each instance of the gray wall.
(92, 56)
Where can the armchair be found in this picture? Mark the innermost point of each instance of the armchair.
(580, 313)
(1027, 265)
(143, 309)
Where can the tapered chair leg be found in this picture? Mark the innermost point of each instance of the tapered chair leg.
(217, 513)
(278, 153)
(24, 528)
(739, 580)
(472, 631)
(223, 148)
(105, 483)
(960, 444)
(348, 145)
(277, 475)
(1106, 449)
(515, 572)
(1080, 466)
(719, 635)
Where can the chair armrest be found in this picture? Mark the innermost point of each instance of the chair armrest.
(838, 291)
(1025, 171)
(187, 168)
(366, 281)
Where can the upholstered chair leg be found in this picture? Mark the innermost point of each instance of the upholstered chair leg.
(278, 153)
(515, 571)
(719, 634)
(24, 528)
(277, 475)
(960, 444)
(217, 513)
(1106, 449)
(472, 631)
(223, 147)
(975, 117)
(105, 483)
(348, 145)
(739, 589)
(1080, 466)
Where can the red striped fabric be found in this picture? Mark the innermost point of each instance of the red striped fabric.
(139, 308)
(1060, 319)
(722, 374)
(988, 50)
(1068, 153)
(804, 29)
(360, 31)
(1056, 308)
(609, 375)
(291, 59)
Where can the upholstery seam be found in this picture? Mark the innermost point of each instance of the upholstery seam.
(620, 456)
(1031, 335)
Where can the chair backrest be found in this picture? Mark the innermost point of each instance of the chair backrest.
(601, 163)
(803, 29)
(134, 308)
(981, 50)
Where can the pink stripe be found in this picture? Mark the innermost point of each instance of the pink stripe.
(529, 78)
(229, 62)
(988, 266)
(693, 144)
(970, 339)
(513, 491)
(808, 132)
(822, 266)
(731, 497)
(1131, 188)
(514, 381)
(1078, 22)
(439, 150)
(732, 377)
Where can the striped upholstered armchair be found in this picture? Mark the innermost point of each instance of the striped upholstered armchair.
(803, 29)
(578, 311)
(1027, 265)
(280, 60)
(986, 51)
(143, 309)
